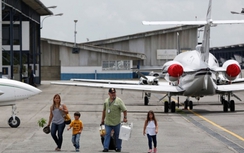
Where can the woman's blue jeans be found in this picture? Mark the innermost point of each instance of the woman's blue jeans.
(60, 129)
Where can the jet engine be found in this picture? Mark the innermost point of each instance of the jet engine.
(233, 69)
(172, 70)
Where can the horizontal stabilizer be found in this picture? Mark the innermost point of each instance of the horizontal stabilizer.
(228, 22)
(211, 22)
(174, 22)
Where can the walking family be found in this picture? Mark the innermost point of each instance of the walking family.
(111, 118)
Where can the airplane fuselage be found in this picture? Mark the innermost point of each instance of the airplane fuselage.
(14, 90)
(199, 82)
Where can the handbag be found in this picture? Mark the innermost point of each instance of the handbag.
(67, 118)
(102, 130)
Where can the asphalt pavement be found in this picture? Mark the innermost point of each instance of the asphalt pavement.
(183, 131)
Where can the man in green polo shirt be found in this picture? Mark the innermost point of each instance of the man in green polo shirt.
(111, 117)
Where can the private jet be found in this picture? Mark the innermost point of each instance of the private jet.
(190, 74)
(10, 92)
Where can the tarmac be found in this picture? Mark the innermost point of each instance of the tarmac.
(182, 131)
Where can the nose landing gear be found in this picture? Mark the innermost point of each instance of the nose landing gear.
(14, 121)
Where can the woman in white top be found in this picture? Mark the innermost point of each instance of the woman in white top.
(151, 129)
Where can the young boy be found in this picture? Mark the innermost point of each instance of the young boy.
(77, 129)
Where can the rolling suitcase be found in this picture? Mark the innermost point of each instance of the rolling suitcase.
(112, 145)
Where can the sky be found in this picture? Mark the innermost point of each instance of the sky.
(103, 19)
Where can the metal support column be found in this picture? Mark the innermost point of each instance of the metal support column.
(1, 54)
(11, 43)
(39, 55)
(20, 47)
(34, 49)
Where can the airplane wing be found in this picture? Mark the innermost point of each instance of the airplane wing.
(238, 80)
(229, 88)
(107, 81)
(144, 88)
(131, 82)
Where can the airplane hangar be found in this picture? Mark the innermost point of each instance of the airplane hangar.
(23, 48)
(225, 53)
(113, 58)
(20, 41)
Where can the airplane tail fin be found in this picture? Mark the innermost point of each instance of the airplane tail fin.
(204, 48)
(206, 35)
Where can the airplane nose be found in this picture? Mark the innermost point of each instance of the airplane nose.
(36, 90)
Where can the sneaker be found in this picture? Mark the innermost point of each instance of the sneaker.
(77, 150)
(150, 151)
(118, 150)
(105, 150)
(155, 150)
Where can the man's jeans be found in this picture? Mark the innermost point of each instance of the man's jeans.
(108, 136)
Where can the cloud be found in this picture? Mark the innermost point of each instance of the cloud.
(100, 19)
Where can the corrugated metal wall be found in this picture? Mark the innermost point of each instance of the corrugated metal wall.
(62, 56)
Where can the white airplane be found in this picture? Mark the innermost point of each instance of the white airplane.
(10, 92)
(190, 74)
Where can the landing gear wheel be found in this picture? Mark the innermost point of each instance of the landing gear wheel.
(14, 123)
(166, 106)
(232, 105)
(225, 106)
(190, 105)
(172, 106)
(185, 104)
(146, 101)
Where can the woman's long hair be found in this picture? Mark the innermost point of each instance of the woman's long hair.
(153, 117)
(56, 95)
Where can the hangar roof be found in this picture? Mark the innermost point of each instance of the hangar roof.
(38, 6)
(96, 48)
